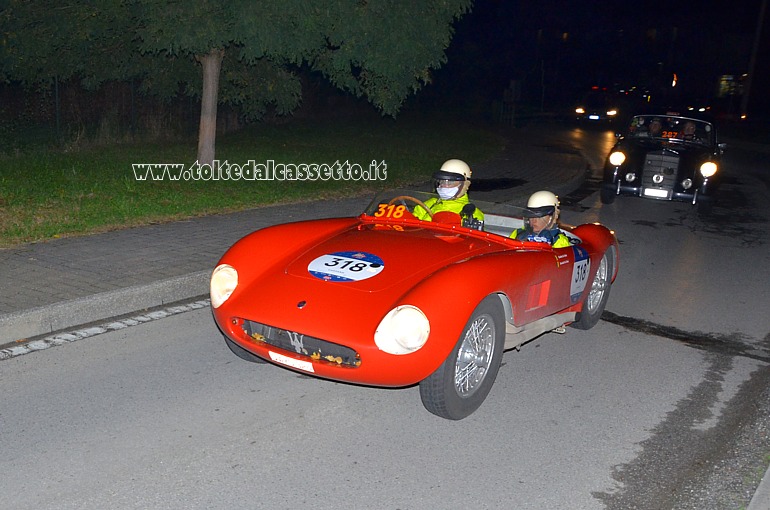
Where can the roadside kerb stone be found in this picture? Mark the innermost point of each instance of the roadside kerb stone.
(75, 312)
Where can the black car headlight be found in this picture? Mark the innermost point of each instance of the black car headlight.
(617, 158)
(708, 169)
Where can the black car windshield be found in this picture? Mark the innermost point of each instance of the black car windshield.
(683, 129)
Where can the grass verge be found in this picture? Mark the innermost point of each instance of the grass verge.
(46, 194)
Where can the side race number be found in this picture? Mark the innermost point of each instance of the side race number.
(580, 272)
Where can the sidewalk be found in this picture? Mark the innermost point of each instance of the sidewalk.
(63, 283)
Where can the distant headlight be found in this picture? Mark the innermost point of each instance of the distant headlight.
(403, 330)
(612, 113)
(224, 280)
(617, 158)
(580, 110)
(708, 169)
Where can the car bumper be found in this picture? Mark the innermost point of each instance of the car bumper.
(693, 195)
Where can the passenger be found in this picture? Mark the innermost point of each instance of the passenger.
(655, 127)
(451, 183)
(688, 132)
(541, 221)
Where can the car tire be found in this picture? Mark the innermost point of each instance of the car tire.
(596, 300)
(242, 353)
(607, 196)
(705, 207)
(462, 382)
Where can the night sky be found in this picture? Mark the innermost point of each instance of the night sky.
(556, 50)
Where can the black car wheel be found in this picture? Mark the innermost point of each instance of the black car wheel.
(462, 382)
(607, 196)
(705, 207)
(242, 353)
(597, 297)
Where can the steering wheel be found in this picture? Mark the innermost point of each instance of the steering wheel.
(417, 201)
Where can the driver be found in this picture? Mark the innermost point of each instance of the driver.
(540, 223)
(451, 183)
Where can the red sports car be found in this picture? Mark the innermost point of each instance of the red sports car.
(385, 299)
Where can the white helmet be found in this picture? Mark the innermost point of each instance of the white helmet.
(454, 173)
(543, 203)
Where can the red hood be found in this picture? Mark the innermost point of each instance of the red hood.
(293, 298)
(371, 258)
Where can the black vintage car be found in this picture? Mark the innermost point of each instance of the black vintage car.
(665, 156)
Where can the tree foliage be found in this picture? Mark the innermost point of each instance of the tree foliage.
(383, 50)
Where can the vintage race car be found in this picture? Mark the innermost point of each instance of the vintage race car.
(385, 299)
(665, 156)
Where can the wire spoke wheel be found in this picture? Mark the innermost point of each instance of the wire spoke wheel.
(599, 286)
(475, 355)
(598, 294)
(462, 382)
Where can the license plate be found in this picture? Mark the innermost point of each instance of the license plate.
(291, 362)
(655, 193)
(593, 117)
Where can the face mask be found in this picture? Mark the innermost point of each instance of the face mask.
(447, 193)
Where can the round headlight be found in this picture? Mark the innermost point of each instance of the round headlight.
(403, 330)
(708, 169)
(224, 280)
(617, 158)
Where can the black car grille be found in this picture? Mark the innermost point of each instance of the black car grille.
(309, 346)
(662, 168)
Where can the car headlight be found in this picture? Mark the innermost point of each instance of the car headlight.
(612, 113)
(708, 169)
(402, 331)
(580, 110)
(224, 280)
(617, 158)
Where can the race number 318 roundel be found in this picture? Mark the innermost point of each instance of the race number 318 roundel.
(346, 266)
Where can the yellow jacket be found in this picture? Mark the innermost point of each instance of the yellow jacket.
(554, 236)
(437, 205)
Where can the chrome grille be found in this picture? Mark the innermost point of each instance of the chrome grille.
(309, 346)
(663, 165)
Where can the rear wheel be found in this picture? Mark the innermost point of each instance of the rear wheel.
(242, 353)
(597, 297)
(460, 385)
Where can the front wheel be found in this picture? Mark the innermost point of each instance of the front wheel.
(597, 297)
(462, 382)
(242, 353)
(705, 207)
(607, 196)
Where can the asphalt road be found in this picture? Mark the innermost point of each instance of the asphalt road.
(663, 404)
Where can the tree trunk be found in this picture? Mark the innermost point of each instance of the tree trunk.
(207, 131)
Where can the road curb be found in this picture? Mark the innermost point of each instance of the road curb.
(48, 319)
(761, 498)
